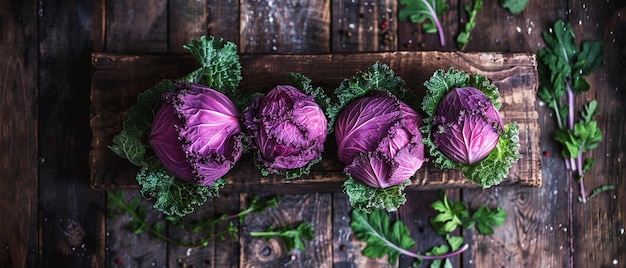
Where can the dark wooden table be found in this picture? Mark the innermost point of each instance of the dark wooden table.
(51, 217)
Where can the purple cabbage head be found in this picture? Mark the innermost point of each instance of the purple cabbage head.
(378, 139)
(466, 125)
(288, 128)
(196, 134)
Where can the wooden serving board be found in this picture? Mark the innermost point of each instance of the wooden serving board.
(117, 79)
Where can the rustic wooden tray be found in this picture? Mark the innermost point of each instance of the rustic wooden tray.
(117, 79)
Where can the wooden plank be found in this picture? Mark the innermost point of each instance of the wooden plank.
(364, 26)
(187, 20)
(535, 233)
(127, 249)
(285, 26)
(346, 248)
(136, 26)
(223, 21)
(602, 218)
(259, 252)
(18, 134)
(71, 216)
(514, 74)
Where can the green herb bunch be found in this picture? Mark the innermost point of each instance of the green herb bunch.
(563, 68)
(384, 237)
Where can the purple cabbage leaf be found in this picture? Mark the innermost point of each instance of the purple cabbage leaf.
(378, 139)
(464, 128)
(182, 162)
(287, 127)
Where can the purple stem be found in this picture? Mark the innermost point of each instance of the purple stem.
(442, 39)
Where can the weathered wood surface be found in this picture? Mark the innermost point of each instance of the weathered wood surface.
(18, 138)
(118, 79)
(546, 227)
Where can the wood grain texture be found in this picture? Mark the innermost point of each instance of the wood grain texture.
(285, 26)
(18, 134)
(514, 74)
(314, 208)
(364, 26)
(187, 20)
(601, 218)
(127, 249)
(133, 26)
(71, 215)
(346, 248)
(537, 222)
(223, 21)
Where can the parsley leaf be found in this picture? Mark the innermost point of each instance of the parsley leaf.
(382, 237)
(514, 6)
(386, 238)
(292, 237)
(464, 37)
(119, 205)
(456, 214)
(562, 69)
(420, 11)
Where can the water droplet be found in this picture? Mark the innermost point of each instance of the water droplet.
(351, 26)
(519, 30)
(621, 231)
(580, 22)
(274, 48)
(615, 261)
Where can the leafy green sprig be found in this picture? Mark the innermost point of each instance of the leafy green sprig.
(119, 205)
(292, 237)
(562, 70)
(472, 11)
(456, 214)
(426, 12)
(384, 237)
(219, 69)
(514, 6)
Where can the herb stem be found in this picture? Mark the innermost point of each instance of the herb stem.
(442, 39)
(583, 192)
(436, 257)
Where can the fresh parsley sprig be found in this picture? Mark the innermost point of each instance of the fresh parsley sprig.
(393, 239)
(384, 237)
(454, 214)
(419, 11)
(292, 237)
(562, 70)
(119, 205)
(472, 11)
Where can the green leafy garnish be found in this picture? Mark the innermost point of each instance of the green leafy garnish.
(598, 190)
(495, 167)
(562, 69)
(456, 214)
(220, 70)
(472, 11)
(420, 11)
(514, 6)
(119, 205)
(174, 196)
(386, 238)
(292, 237)
(366, 199)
